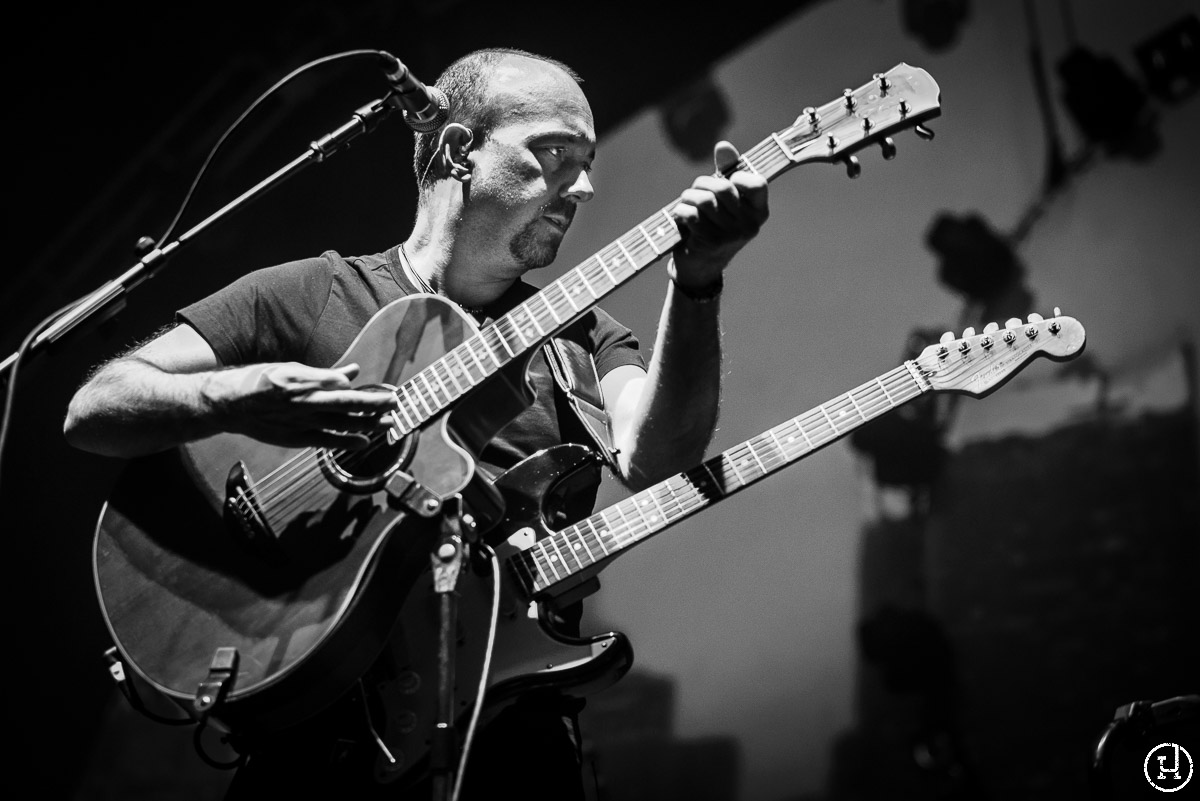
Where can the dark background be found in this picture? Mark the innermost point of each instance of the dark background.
(1008, 573)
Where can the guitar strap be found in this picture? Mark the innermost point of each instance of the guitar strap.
(573, 368)
(574, 371)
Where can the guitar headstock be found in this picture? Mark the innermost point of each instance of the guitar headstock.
(977, 364)
(903, 97)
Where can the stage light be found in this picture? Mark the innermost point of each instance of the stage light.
(934, 23)
(695, 118)
(1108, 105)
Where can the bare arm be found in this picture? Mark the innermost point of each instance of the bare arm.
(664, 419)
(173, 390)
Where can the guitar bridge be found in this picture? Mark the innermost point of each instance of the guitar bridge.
(244, 516)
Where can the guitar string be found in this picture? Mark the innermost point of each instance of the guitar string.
(688, 498)
(285, 482)
(842, 401)
(270, 487)
(267, 481)
(672, 503)
(675, 502)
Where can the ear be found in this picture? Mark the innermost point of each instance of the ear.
(454, 147)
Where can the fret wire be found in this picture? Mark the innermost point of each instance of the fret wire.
(886, 394)
(540, 547)
(581, 529)
(583, 279)
(558, 552)
(628, 255)
(650, 241)
(828, 418)
(670, 224)
(771, 450)
(511, 324)
(566, 541)
(430, 392)
(545, 296)
(433, 389)
(456, 370)
(469, 346)
(604, 267)
(761, 466)
(532, 316)
(519, 563)
(413, 397)
(409, 420)
(487, 347)
(543, 578)
(566, 294)
(598, 531)
(736, 472)
(498, 332)
(718, 486)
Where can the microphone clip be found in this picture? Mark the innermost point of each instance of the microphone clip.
(425, 108)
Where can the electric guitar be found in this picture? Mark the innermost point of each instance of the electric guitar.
(253, 584)
(542, 568)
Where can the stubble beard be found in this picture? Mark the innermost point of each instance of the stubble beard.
(531, 251)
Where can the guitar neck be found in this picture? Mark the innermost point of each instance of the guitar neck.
(605, 534)
(900, 98)
(559, 304)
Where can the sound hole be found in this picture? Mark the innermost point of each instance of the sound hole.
(368, 469)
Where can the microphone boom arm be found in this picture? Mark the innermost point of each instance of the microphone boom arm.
(364, 120)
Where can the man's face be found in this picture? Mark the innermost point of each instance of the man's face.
(532, 171)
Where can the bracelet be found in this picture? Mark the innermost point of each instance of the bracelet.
(704, 295)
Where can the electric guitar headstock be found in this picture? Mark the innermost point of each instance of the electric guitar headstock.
(978, 364)
(903, 97)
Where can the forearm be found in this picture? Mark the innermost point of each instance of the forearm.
(131, 408)
(676, 413)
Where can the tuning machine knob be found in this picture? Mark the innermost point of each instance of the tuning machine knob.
(923, 132)
(853, 168)
(888, 147)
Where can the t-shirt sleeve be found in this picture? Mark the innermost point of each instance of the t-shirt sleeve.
(613, 345)
(264, 316)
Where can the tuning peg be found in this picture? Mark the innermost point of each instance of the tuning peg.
(1057, 312)
(849, 97)
(809, 115)
(853, 168)
(1034, 317)
(923, 132)
(888, 147)
(991, 328)
(882, 80)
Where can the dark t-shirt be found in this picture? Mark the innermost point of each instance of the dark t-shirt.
(310, 311)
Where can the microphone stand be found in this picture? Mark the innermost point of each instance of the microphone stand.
(365, 119)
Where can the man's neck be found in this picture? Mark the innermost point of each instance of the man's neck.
(436, 255)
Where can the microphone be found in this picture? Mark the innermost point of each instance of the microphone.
(425, 107)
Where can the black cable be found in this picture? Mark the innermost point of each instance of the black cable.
(209, 760)
(10, 389)
(375, 54)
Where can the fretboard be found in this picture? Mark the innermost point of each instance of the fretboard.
(560, 303)
(603, 535)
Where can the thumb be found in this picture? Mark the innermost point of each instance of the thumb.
(725, 157)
